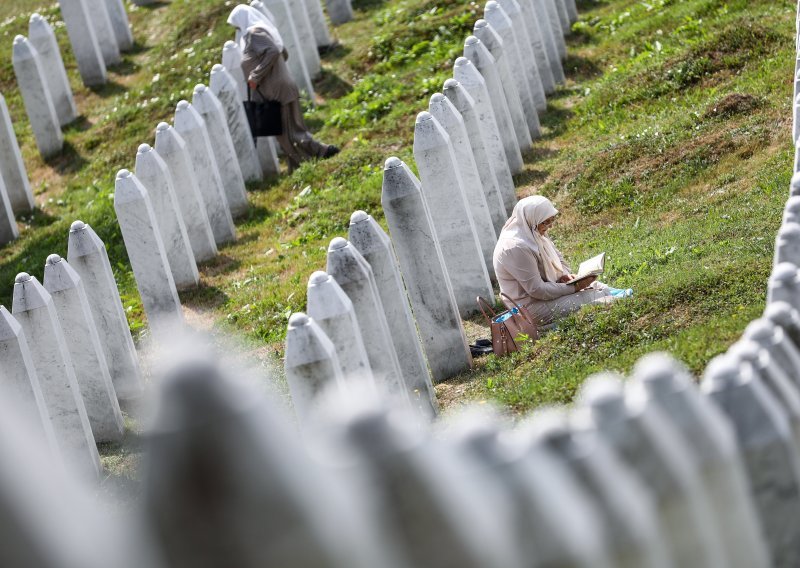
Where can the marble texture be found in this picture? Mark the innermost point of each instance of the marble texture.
(480, 56)
(765, 370)
(765, 444)
(527, 56)
(120, 24)
(8, 224)
(85, 349)
(572, 10)
(466, 106)
(138, 224)
(192, 128)
(42, 37)
(563, 17)
(12, 167)
(267, 150)
(776, 340)
(104, 31)
(787, 244)
(794, 185)
(172, 148)
(333, 311)
(443, 190)
(530, 21)
(305, 37)
(85, 45)
(535, 499)
(223, 85)
(19, 380)
(784, 285)
(153, 173)
(34, 310)
(322, 35)
(283, 21)
(39, 107)
(708, 435)
(264, 501)
(311, 365)
(422, 265)
(232, 61)
(473, 82)
(643, 437)
(367, 236)
(624, 503)
(207, 104)
(346, 265)
(339, 11)
(537, 13)
(88, 257)
(549, 7)
(515, 86)
(452, 122)
(483, 61)
(787, 318)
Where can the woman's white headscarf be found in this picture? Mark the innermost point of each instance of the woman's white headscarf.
(527, 215)
(243, 18)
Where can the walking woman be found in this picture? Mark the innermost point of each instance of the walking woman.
(532, 272)
(264, 65)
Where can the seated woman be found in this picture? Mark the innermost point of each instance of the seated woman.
(264, 66)
(532, 272)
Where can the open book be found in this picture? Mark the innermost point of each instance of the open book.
(591, 267)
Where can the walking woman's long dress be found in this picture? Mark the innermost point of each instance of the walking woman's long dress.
(265, 65)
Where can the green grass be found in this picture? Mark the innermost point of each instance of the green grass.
(669, 148)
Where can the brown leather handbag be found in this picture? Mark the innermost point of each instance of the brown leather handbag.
(509, 328)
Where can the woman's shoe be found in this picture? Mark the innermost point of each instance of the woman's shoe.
(331, 151)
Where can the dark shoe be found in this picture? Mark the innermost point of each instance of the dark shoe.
(481, 347)
(331, 151)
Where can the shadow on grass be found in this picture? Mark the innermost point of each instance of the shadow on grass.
(126, 66)
(554, 121)
(335, 51)
(80, 124)
(331, 86)
(110, 89)
(204, 296)
(366, 5)
(580, 68)
(69, 161)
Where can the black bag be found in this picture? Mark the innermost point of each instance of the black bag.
(264, 117)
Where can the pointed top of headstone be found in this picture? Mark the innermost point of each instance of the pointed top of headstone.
(784, 272)
(200, 88)
(445, 112)
(218, 67)
(722, 372)
(746, 350)
(318, 278)
(162, 126)
(660, 375)
(428, 133)
(36, 17)
(82, 240)
(128, 188)
(398, 180)
(23, 49)
(143, 149)
(436, 98)
(782, 314)
(489, 37)
(358, 217)
(337, 243)
(794, 184)
(466, 73)
(306, 342)
(230, 44)
(761, 330)
(168, 139)
(38, 26)
(459, 96)
(451, 84)
(187, 118)
(604, 395)
(221, 79)
(9, 326)
(59, 275)
(29, 294)
(477, 52)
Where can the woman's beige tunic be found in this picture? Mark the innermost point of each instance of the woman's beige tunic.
(520, 274)
(264, 64)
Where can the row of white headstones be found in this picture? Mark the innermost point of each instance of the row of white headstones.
(654, 472)
(388, 312)
(67, 349)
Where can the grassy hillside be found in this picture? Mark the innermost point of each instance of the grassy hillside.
(669, 148)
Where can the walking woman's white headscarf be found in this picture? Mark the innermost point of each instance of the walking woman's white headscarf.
(528, 214)
(245, 17)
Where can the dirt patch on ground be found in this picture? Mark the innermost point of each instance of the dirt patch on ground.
(732, 105)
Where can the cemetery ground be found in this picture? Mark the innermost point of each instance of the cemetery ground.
(669, 148)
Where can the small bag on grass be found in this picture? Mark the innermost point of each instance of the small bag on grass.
(509, 328)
